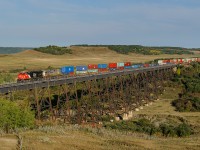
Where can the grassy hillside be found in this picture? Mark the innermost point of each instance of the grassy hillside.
(31, 59)
(145, 50)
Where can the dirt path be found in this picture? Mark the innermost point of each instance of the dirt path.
(8, 143)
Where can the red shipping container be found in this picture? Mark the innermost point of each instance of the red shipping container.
(166, 61)
(112, 65)
(176, 61)
(146, 65)
(103, 70)
(71, 73)
(127, 64)
(172, 61)
(92, 66)
(120, 68)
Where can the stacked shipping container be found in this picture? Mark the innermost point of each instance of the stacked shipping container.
(67, 70)
(92, 69)
(112, 66)
(127, 65)
(120, 66)
(102, 67)
(80, 70)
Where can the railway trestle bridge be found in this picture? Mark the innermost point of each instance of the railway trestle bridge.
(91, 98)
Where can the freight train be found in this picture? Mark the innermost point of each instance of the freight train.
(96, 68)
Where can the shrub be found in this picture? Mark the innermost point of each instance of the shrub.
(167, 130)
(12, 116)
(183, 130)
(142, 125)
(145, 126)
(187, 104)
(55, 50)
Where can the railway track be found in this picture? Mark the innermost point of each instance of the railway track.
(29, 85)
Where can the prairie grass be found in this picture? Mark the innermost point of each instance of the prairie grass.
(80, 55)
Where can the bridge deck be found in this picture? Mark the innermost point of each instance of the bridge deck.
(67, 80)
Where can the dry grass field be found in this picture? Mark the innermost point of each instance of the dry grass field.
(79, 138)
(80, 56)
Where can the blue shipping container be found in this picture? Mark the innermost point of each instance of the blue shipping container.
(81, 68)
(135, 66)
(127, 67)
(102, 66)
(67, 69)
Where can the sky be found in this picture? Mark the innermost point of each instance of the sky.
(35, 23)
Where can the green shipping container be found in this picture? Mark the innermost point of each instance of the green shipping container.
(92, 70)
(81, 72)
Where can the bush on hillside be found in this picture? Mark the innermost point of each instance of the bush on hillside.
(145, 50)
(12, 116)
(183, 130)
(187, 104)
(142, 125)
(55, 50)
(146, 126)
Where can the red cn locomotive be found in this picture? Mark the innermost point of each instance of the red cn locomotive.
(23, 76)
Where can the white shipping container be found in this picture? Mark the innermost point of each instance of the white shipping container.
(81, 72)
(160, 62)
(93, 70)
(120, 64)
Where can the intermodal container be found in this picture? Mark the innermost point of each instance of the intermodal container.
(135, 66)
(92, 70)
(71, 73)
(165, 61)
(81, 72)
(146, 65)
(193, 59)
(112, 65)
(120, 64)
(102, 66)
(176, 61)
(67, 69)
(92, 66)
(172, 61)
(185, 60)
(160, 62)
(127, 67)
(127, 64)
(103, 70)
(120, 68)
(151, 65)
(81, 68)
(189, 60)
(180, 60)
